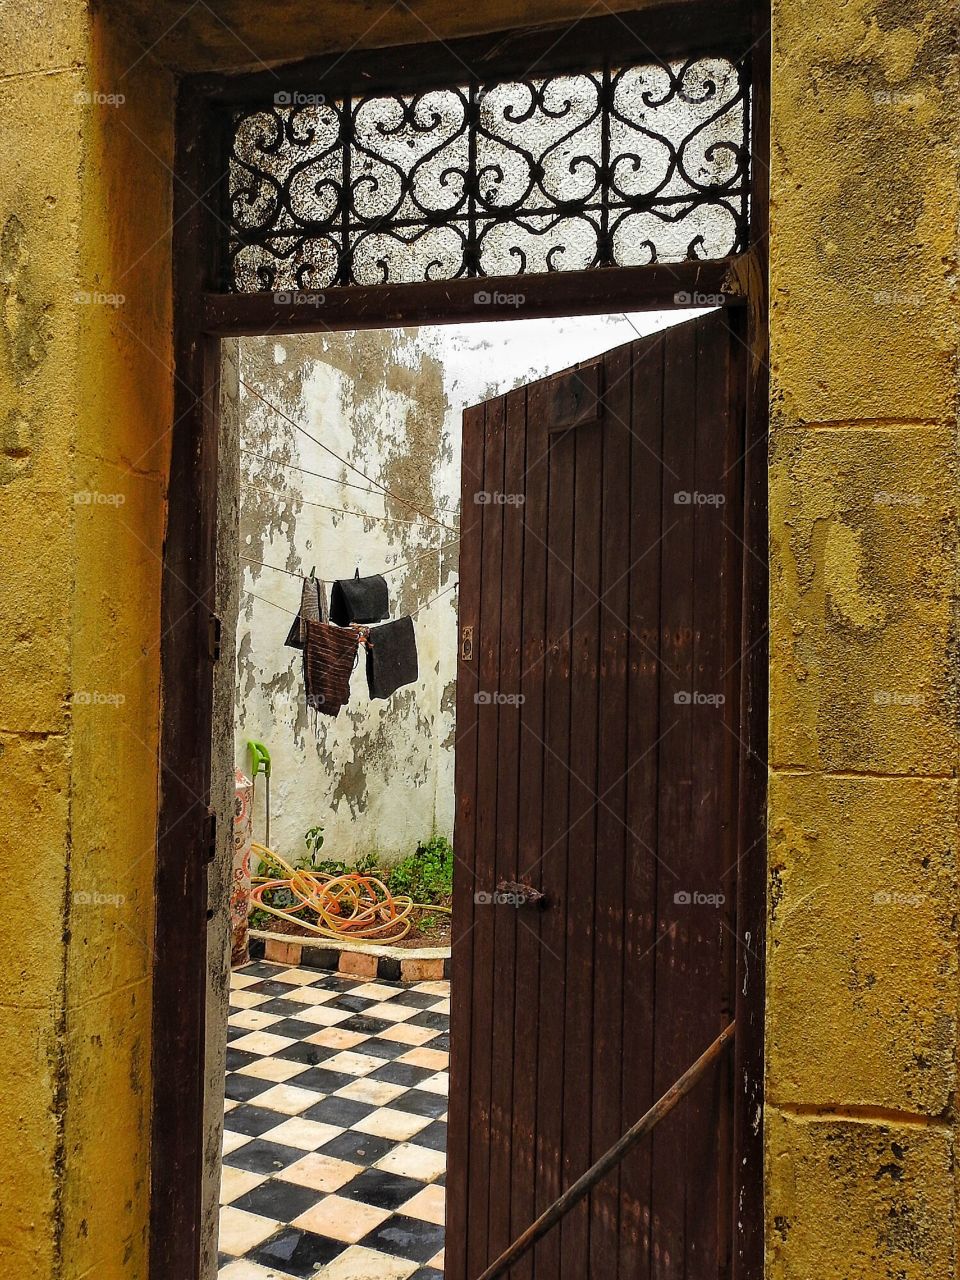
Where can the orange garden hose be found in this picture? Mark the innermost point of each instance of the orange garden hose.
(350, 906)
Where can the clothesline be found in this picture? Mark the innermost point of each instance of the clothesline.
(317, 475)
(389, 569)
(343, 461)
(293, 613)
(343, 511)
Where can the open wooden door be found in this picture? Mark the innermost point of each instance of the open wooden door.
(597, 763)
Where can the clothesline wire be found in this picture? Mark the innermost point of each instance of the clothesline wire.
(343, 511)
(343, 461)
(389, 569)
(317, 475)
(283, 608)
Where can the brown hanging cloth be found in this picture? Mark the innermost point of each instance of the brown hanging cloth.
(329, 656)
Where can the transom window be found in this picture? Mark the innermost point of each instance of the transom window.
(622, 166)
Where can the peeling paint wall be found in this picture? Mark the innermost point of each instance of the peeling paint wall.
(862, 949)
(379, 777)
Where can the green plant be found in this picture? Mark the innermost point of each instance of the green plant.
(426, 875)
(314, 839)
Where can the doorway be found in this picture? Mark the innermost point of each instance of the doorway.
(324, 1069)
(217, 304)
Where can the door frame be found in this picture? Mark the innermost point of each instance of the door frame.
(189, 631)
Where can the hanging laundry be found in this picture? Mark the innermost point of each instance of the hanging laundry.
(329, 656)
(313, 608)
(359, 599)
(391, 657)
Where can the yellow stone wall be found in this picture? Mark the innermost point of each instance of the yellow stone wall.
(862, 947)
(85, 412)
(862, 975)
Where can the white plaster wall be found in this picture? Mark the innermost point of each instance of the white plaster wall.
(380, 776)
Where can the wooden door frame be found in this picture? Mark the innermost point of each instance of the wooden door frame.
(202, 316)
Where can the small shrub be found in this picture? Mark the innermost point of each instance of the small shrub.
(427, 875)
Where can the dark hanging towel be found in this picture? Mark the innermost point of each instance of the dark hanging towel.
(313, 608)
(391, 657)
(359, 599)
(329, 656)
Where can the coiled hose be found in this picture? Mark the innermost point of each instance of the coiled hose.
(351, 906)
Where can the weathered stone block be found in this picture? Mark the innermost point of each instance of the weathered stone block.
(863, 556)
(862, 945)
(851, 1200)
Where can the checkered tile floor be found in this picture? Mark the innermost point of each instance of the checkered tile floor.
(334, 1151)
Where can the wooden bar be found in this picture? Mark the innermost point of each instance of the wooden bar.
(186, 675)
(554, 293)
(656, 29)
(582, 1187)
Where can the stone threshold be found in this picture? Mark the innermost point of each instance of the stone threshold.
(392, 964)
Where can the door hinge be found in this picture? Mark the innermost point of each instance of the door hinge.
(210, 834)
(214, 636)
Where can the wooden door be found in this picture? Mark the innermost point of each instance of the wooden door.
(597, 763)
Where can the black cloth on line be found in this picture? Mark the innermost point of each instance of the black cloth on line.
(359, 599)
(391, 657)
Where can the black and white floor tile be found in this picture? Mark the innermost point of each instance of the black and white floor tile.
(335, 1127)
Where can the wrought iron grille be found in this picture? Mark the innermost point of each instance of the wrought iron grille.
(618, 167)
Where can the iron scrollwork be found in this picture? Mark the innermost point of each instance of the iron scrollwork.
(618, 167)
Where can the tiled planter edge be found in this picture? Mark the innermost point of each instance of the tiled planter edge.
(392, 964)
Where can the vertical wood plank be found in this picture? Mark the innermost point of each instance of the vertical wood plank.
(582, 857)
(484, 958)
(507, 920)
(643, 735)
(672, 1039)
(556, 786)
(714, 719)
(464, 875)
(611, 810)
(530, 830)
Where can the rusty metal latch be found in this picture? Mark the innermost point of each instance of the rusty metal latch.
(515, 893)
(466, 644)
